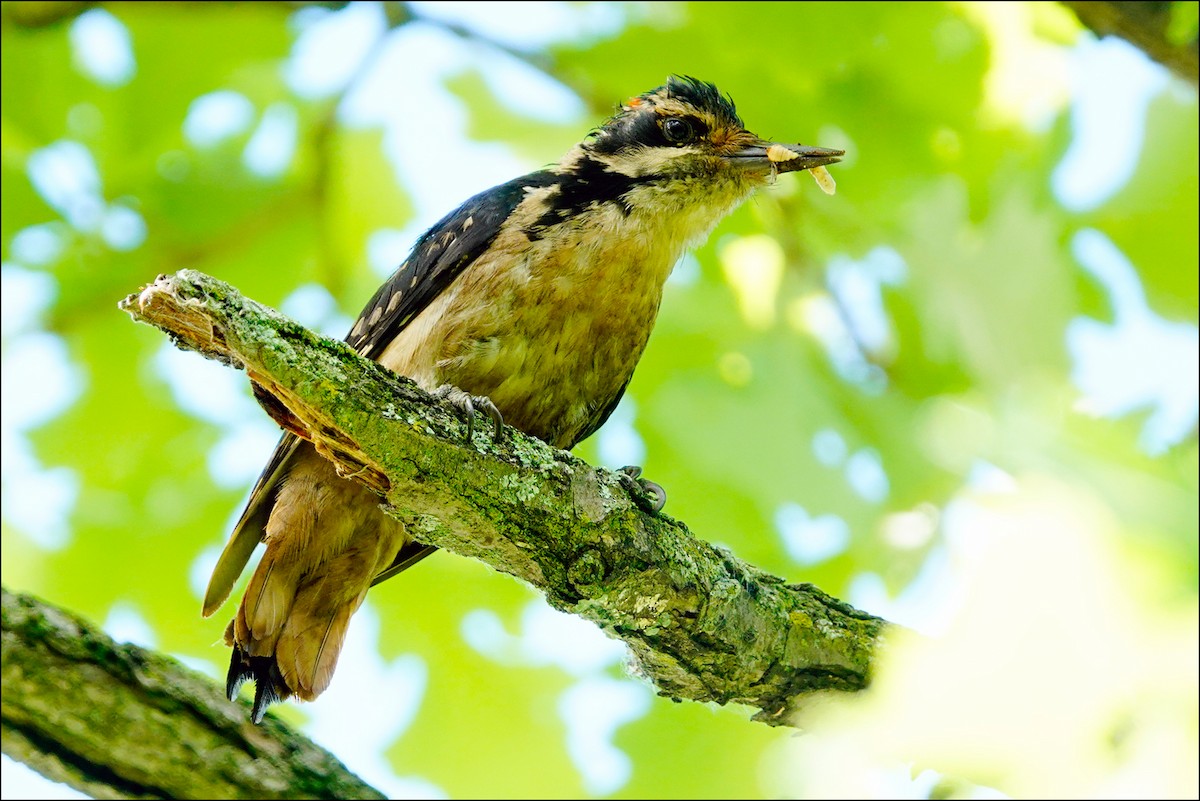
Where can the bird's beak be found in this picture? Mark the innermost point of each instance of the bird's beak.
(785, 158)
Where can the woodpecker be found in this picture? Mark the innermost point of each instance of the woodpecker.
(533, 302)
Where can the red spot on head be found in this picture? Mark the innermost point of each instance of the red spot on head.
(634, 102)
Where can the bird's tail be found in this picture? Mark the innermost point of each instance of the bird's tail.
(327, 540)
(298, 658)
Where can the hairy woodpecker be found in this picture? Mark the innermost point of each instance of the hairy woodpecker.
(532, 301)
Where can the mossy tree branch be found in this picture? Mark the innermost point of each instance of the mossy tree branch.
(117, 721)
(702, 624)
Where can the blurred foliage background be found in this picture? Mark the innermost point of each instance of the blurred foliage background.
(961, 393)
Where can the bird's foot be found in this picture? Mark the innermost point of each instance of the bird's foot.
(631, 477)
(468, 404)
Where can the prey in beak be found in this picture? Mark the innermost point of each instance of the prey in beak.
(779, 158)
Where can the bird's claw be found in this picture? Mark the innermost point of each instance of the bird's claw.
(631, 476)
(468, 404)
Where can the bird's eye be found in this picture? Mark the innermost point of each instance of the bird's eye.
(678, 131)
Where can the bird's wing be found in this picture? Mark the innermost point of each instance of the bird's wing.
(600, 416)
(438, 257)
(250, 526)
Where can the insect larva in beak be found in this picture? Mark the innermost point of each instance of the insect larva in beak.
(777, 153)
(824, 180)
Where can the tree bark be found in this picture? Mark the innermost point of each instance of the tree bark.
(118, 721)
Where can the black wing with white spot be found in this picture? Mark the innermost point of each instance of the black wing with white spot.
(437, 259)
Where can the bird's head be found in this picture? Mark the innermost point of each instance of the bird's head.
(686, 136)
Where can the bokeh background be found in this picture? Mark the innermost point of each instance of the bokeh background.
(961, 393)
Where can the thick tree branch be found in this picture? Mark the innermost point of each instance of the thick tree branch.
(702, 624)
(1154, 27)
(117, 721)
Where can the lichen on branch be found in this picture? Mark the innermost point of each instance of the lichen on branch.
(117, 721)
